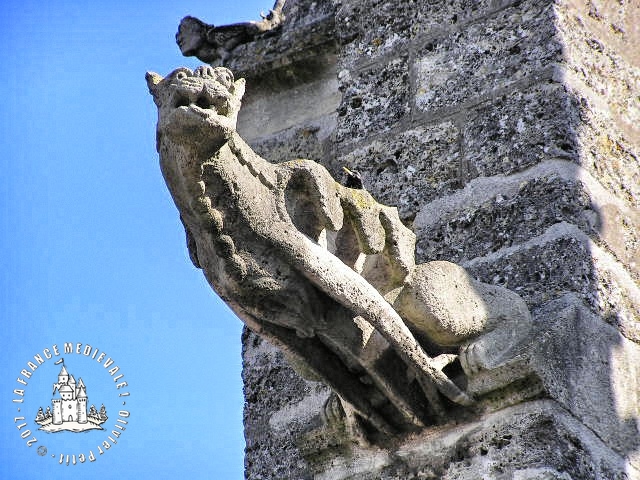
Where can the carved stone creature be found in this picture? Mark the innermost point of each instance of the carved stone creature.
(214, 44)
(321, 270)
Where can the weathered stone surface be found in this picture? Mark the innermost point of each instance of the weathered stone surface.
(374, 28)
(504, 221)
(262, 118)
(595, 57)
(620, 233)
(614, 23)
(539, 441)
(391, 28)
(542, 269)
(411, 168)
(607, 153)
(603, 75)
(521, 207)
(600, 373)
(521, 128)
(372, 100)
(563, 260)
(486, 57)
(296, 52)
(271, 386)
(310, 140)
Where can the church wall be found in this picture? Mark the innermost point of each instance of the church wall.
(506, 134)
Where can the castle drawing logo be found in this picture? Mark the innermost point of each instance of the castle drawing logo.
(70, 407)
(70, 396)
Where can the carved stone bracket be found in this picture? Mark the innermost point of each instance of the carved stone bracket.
(326, 273)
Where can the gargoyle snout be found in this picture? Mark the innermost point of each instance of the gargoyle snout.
(194, 92)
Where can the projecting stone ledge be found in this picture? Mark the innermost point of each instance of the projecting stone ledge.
(538, 440)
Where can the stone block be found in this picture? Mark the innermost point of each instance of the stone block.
(521, 128)
(486, 56)
(541, 270)
(607, 153)
(302, 14)
(371, 29)
(373, 100)
(535, 441)
(493, 213)
(596, 66)
(614, 23)
(507, 221)
(309, 140)
(435, 17)
(307, 35)
(271, 385)
(269, 110)
(620, 231)
(409, 169)
(565, 260)
(592, 370)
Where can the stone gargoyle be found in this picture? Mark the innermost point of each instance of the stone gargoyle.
(324, 271)
(213, 44)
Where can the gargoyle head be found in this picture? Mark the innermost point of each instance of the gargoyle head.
(196, 108)
(192, 33)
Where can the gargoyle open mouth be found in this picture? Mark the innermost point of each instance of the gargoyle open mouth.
(203, 101)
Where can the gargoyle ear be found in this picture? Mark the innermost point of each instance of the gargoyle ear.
(153, 79)
(238, 88)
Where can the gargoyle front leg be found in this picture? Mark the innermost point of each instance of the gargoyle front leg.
(509, 323)
(311, 202)
(347, 287)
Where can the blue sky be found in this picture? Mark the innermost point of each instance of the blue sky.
(93, 251)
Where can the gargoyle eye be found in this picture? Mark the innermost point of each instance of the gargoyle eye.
(181, 75)
(226, 80)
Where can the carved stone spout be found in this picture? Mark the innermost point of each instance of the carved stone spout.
(213, 44)
(324, 271)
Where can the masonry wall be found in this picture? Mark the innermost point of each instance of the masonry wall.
(506, 134)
